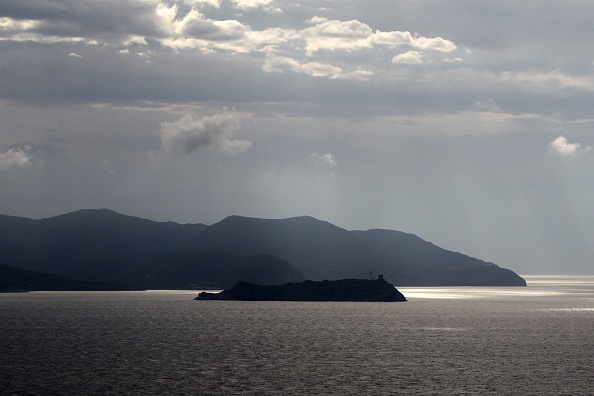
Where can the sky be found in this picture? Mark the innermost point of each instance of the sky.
(466, 123)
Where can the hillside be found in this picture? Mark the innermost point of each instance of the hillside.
(318, 249)
(214, 270)
(412, 248)
(324, 251)
(13, 279)
(106, 246)
(102, 245)
(89, 244)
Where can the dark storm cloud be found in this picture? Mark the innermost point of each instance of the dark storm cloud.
(85, 18)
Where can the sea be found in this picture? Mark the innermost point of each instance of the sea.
(535, 340)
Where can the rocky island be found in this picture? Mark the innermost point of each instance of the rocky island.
(339, 290)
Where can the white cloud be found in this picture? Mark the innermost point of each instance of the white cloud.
(194, 31)
(408, 58)
(191, 132)
(283, 64)
(75, 55)
(434, 43)
(249, 4)
(336, 35)
(548, 81)
(562, 147)
(452, 60)
(266, 5)
(201, 3)
(195, 25)
(355, 35)
(398, 38)
(323, 160)
(15, 158)
(316, 19)
(359, 74)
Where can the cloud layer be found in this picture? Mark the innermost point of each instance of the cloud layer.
(138, 25)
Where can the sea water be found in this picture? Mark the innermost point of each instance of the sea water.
(535, 340)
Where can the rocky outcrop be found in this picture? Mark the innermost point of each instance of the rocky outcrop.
(339, 290)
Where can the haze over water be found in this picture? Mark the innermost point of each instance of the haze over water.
(456, 340)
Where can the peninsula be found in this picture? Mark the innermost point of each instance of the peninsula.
(119, 252)
(340, 290)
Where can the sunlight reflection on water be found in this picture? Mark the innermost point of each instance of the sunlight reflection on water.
(538, 286)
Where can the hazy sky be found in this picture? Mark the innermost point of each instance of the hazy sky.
(468, 123)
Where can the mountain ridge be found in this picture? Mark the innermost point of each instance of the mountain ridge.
(427, 252)
(104, 245)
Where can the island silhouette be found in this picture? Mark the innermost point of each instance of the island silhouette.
(362, 290)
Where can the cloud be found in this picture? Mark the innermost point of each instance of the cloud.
(75, 55)
(191, 133)
(194, 31)
(15, 158)
(266, 5)
(78, 20)
(408, 58)
(141, 26)
(195, 25)
(354, 35)
(323, 160)
(336, 35)
(488, 105)
(399, 38)
(562, 147)
(283, 64)
(326, 161)
(249, 4)
(553, 81)
(202, 3)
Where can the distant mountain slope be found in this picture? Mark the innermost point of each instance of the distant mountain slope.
(102, 245)
(13, 230)
(324, 251)
(89, 244)
(12, 278)
(318, 249)
(214, 269)
(412, 248)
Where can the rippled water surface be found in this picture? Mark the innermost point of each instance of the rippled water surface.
(535, 340)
